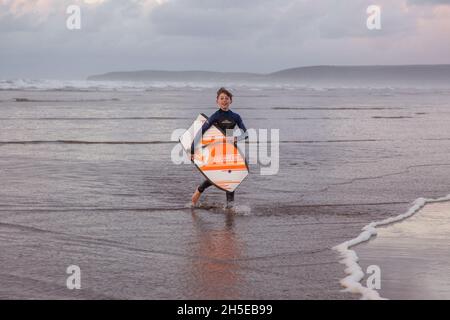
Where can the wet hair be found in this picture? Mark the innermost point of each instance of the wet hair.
(225, 91)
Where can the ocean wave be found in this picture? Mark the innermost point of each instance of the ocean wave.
(148, 86)
(352, 283)
(336, 108)
(66, 100)
(94, 118)
(94, 86)
(28, 142)
(392, 117)
(82, 142)
(332, 141)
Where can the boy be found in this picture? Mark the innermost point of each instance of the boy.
(226, 120)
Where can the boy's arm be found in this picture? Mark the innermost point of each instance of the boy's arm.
(241, 126)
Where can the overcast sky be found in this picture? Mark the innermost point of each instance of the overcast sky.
(220, 35)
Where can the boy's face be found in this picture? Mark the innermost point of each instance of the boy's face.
(223, 101)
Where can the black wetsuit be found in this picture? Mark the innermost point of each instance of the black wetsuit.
(226, 121)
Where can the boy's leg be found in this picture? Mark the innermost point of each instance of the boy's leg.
(230, 197)
(204, 185)
(199, 190)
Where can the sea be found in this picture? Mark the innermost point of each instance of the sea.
(93, 204)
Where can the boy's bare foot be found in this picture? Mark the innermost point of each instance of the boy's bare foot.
(195, 197)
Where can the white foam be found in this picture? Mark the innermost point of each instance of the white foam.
(350, 258)
(86, 85)
(189, 205)
(142, 86)
(242, 210)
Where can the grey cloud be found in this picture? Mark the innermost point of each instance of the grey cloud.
(212, 19)
(429, 2)
(222, 35)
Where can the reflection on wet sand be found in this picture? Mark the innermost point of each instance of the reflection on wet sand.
(215, 270)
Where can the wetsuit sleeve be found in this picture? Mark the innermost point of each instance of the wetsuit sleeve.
(241, 126)
(200, 133)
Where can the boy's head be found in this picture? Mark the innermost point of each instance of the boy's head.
(224, 99)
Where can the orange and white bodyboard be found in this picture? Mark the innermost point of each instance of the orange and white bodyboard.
(217, 158)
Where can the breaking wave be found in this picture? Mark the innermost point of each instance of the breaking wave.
(352, 283)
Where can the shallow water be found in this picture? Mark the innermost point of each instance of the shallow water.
(86, 179)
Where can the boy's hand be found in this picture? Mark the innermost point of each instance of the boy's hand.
(192, 157)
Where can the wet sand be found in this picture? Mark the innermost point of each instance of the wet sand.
(413, 255)
(171, 254)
